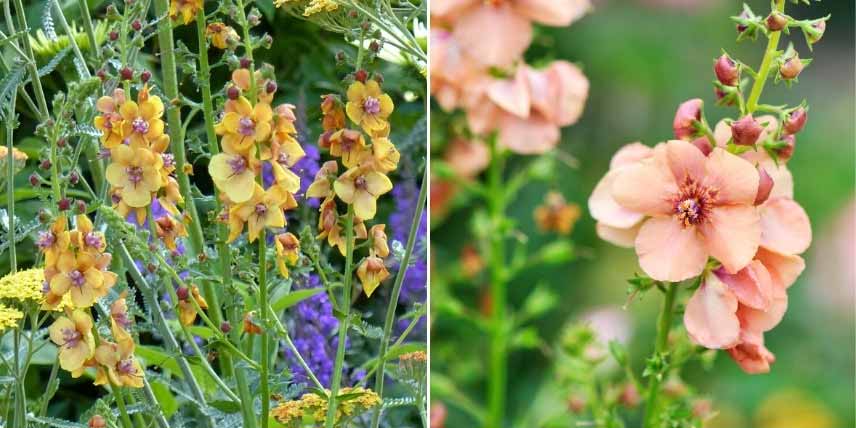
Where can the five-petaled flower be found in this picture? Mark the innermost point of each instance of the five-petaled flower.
(368, 106)
(73, 334)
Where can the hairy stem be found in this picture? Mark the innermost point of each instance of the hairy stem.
(498, 346)
(10, 186)
(664, 323)
(766, 63)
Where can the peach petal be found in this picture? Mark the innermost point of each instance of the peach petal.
(752, 357)
(606, 210)
(503, 47)
(732, 235)
(711, 315)
(669, 252)
(630, 154)
(559, 92)
(512, 95)
(784, 268)
(785, 226)
(752, 285)
(447, 7)
(529, 136)
(618, 236)
(685, 160)
(647, 187)
(735, 179)
(557, 13)
(756, 320)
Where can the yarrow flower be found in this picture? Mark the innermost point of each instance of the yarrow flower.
(313, 407)
(9, 317)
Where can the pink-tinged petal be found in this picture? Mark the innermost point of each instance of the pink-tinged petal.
(484, 117)
(647, 187)
(512, 95)
(752, 285)
(711, 315)
(527, 136)
(783, 181)
(759, 321)
(784, 268)
(685, 160)
(557, 13)
(785, 227)
(752, 357)
(732, 235)
(606, 210)
(735, 179)
(559, 92)
(669, 252)
(502, 47)
(446, 7)
(617, 236)
(630, 154)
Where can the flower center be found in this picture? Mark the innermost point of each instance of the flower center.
(140, 125)
(122, 319)
(246, 126)
(371, 105)
(71, 337)
(282, 158)
(92, 240)
(168, 160)
(77, 278)
(261, 210)
(693, 202)
(46, 240)
(126, 367)
(360, 183)
(238, 165)
(135, 174)
(688, 211)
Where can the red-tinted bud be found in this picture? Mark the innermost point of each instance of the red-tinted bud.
(61, 142)
(137, 25)
(145, 76)
(776, 21)
(577, 404)
(270, 86)
(629, 396)
(361, 75)
(340, 56)
(366, 26)
(743, 27)
(183, 293)
(703, 144)
(353, 14)
(796, 121)
(225, 327)
(114, 35)
(127, 73)
(245, 63)
(787, 151)
(374, 46)
(745, 132)
(685, 117)
(791, 68)
(45, 164)
(97, 421)
(818, 28)
(765, 186)
(727, 71)
(233, 92)
(35, 179)
(79, 206)
(64, 204)
(74, 178)
(101, 74)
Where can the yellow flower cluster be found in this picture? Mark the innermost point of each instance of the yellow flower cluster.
(221, 35)
(312, 407)
(19, 158)
(311, 7)
(9, 317)
(366, 168)
(27, 286)
(114, 362)
(140, 169)
(184, 10)
(255, 136)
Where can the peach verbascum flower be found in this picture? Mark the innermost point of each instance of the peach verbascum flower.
(264, 209)
(696, 206)
(73, 334)
(287, 252)
(84, 276)
(110, 121)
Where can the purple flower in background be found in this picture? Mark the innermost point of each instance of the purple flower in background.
(405, 193)
(306, 168)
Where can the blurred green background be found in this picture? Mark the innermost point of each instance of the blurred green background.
(643, 58)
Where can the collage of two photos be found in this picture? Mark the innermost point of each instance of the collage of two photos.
(427, 213)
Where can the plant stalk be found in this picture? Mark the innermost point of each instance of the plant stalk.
(664, 323)
(498, 345)
(766, 63)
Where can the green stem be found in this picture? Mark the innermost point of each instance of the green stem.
(31, 62)
(90, 31)
(345, 319)
(664, 323)
(150, 396)
(10, 186)
(396, 291)
(264, 388)
(120, 401)
(764, 71)
(82, 69)
(498, 346)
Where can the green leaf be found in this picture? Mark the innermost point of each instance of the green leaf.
(556, 252)
(226, 406)
(202, 331)
(540, 301)
(294, 298)
(153, 356)
(167, 401)
(526, 338)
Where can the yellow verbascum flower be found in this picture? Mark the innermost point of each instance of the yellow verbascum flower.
(349, 145)
(141, 120)
(322, 186)
(110, 122)
(136, 173)
(372, 271)
(73, 334)
(168, 230)
(234, 174)
(287, 251)
(54, 241)
(368, 106)
(185, 10)
(263, 209)
(221, 34)
(380, 245)
(384, 157)
(84, 277)
(122, 369)
(186, 309)
(243, 125)
(85, 238)
(361, 187)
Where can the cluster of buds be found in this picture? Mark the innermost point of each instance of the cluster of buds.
(365, 165)
(253, 173)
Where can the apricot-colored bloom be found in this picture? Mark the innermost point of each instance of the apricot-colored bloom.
(234, 174)
(55, 241)
(244, 125)
(186, 309)
(698, 206)
(349, 145)
(141, 120)
(467, 158)
(169, 230)
(122, 369)
(333, 113)
(85, 238)
(73, 335)
(263, 209)
(83, 275)
(368, 106)
(380, 244)
(249, 326)
(287, 251)
(221, 34)
(322, 186)
(372, 272)
(362, 187)
(185, 10)
(384, 156)
(556, 215)
(136, 173)
(110, 122)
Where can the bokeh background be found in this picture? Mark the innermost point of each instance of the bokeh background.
(644, 57)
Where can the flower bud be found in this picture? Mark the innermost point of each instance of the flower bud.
(35, 179)
(137, 25)
(101, 74)
(366, 26)
(145, 76)
(727, 71)
(685, 117)
(787, 151)
(151, 267)
(44, 216)
(776, 21)
(577, 404)
(361, 76)
(183, 293)
(64, 204)
(745, 132)
(245, 63)
(114, 35)
(112, 12)
(374, 46)
(740, 26)
(629, 396)
(353, 14)
(816, 33)
(233, 92)
(74, 177)
(796, 121)
(254, 18)
(80, 206)
(61, 142)
(270, 86)
(127, 73)
(340, 57)
(225, 327)
(703, 144)
(97, 421)
(791, 67)
(765, 186)
(45, 164)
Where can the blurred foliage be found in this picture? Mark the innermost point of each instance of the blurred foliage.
(642, 61)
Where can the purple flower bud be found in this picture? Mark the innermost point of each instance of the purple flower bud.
(225, 327)
(64, 204)
(687, 114)
(786, 152)
(137, 25)
(791, 67)
(745, 132)
(727, 71)
(233, 92)
(776, 21)
(796, 121)
(145, 76)
(127, 73)
(765, 186)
